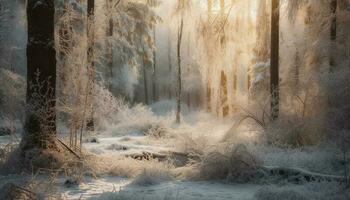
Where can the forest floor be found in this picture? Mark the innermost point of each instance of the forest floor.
(141, 130)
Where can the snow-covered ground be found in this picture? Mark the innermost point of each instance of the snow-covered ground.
(142, 130)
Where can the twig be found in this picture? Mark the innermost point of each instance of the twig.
(116, 4)
(69, 149)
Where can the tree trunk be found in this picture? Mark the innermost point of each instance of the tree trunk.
(261, 49)
(110, 32)
(179, 81)
(154, 75)
(145, 85)
(90, 124)
(170, 65)
(224, 95)
(208, 89)
(274, 68)
(210, 8)
(334, 6)
(40, 125)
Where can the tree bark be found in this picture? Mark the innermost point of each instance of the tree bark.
(274, 68)
(40, 125)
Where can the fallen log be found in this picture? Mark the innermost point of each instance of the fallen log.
(147, 156)
(178, 159)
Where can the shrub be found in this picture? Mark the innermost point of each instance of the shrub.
(234, 163)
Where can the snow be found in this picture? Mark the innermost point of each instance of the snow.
(185, 190)
(92, 187)
(199, 130)
(126, 178)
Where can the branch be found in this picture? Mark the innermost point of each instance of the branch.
(117, 3)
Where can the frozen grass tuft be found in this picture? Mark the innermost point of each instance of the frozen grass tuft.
(129, 168)
(232, 162)
(152, 176)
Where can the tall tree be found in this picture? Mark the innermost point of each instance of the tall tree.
(274, 68)
(179, 81)
(334, 6)
(145, 82)
(110, 32)
(210, 8)
(154, 75)
(223, 79)
(261, 50)
(170, 62)
(40, 125)
(90, 125)
(208, 93)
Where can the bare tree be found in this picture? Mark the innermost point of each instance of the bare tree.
(40, 126)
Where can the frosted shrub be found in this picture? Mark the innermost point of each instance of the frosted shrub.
(12, 95)
(127, 167)
(138, 119)
(234, 163)
(41, 109)
(157, 131)
(107, 106)
(194, 145)
(152, 176)
(299, 122)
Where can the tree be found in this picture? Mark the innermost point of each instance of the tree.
(274, 68)
(183, 7)
(90, 125)
(261, 51)
(109, 33)
(179, 81)
(40, 125)
(334, 6)
(208, 92)
(145, 85)
(154, 75)
(170, 62)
